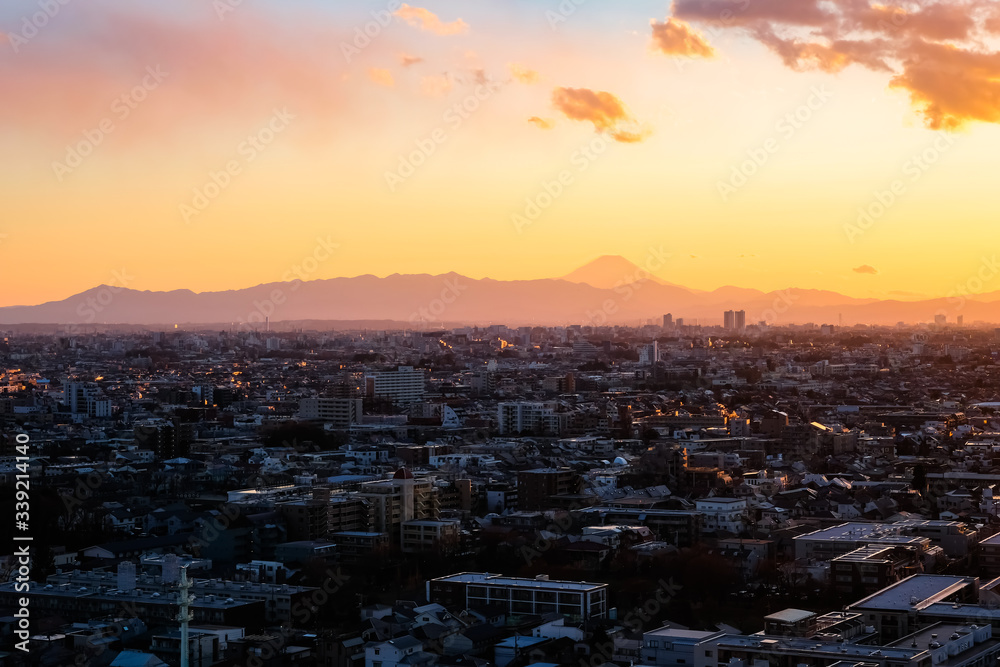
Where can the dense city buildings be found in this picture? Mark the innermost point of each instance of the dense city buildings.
(660, 495)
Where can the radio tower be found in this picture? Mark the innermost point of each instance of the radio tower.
(184, 615)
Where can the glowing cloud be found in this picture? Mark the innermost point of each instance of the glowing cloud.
(866, 270)
(676, 38)
(542, 123)
(428, 20)
(523, 74)
(605, 111)
(406, 60)
(932, 50)
(436, 86)
(382, 77)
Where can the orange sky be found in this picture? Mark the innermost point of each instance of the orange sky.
(215, 146)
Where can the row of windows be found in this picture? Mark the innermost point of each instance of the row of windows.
(529, 594)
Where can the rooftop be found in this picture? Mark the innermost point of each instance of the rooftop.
(863, 532)
(919, 590)
(499, 580)
(790, 616)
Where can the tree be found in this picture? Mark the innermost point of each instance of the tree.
(919, 477)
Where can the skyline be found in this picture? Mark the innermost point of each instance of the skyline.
(642, 118)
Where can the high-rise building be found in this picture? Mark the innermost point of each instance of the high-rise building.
(649, 354)
(402, 386)
(729, 320)
(531, 417)
(168, 439)
(337, 411)
(741, 320)
(395, 501)
(535, 487)
(668, 321)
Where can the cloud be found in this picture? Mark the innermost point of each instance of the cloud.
(523, 74)
(865, 269)
(436, 85)
(939, 52)
(676, 38)
(428, 20)
(479, 76)
(406, 60)
(741, 12)
(235, 71)
(605, 111)
(542, 123)
(382, 77)
(951, 86)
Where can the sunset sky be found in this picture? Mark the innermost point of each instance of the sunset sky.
(216, 145)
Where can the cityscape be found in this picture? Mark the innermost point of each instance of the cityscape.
(533, 333)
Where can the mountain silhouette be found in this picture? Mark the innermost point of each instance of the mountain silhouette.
(610, 290)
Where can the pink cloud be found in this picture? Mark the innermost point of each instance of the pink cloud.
(215, 71)
(429, 21)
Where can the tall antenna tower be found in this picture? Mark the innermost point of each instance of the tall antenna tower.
(184, 615)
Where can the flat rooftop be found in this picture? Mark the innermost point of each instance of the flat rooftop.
(498, 580)
(790, 616)
(917, 591)
(863, 532)
(838, 650)
(725, 501)
(677, 633)
(869, 553)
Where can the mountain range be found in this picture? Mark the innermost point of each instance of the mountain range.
(609, 290)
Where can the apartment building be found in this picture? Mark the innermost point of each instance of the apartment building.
(403, 386)
(338, 412)
(579, 600)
